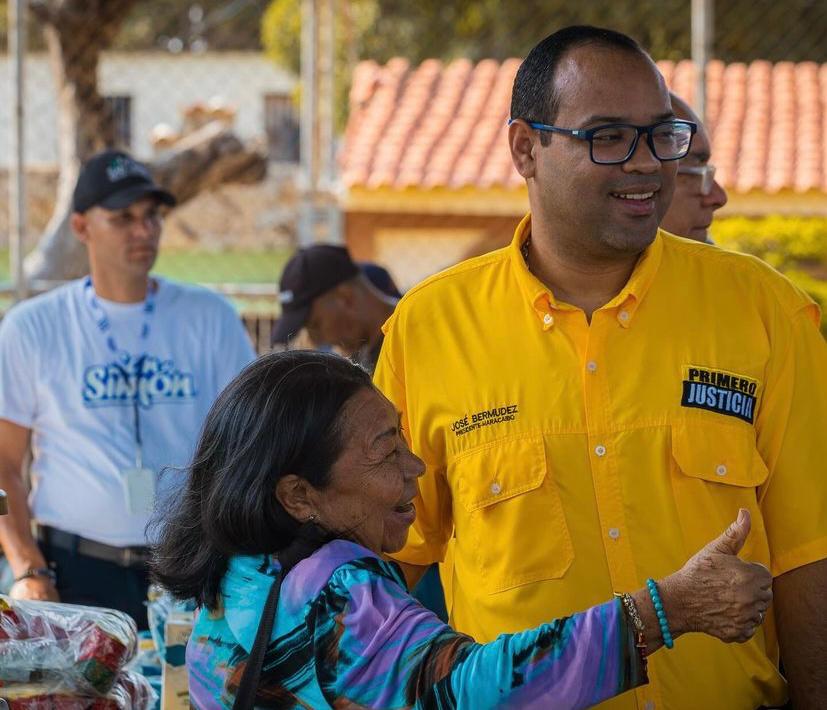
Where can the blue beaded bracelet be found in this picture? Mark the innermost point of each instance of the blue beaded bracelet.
(661, 614)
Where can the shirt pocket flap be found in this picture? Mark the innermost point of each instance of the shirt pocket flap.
(505, 469)
(509, 525)
(718, 454)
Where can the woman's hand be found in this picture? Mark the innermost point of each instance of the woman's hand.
(716, 593)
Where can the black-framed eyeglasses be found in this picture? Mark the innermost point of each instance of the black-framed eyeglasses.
(705, 172)
(614, 143)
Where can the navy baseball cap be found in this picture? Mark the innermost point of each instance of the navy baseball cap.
(381, 278)
(114, 180)
(310, 272)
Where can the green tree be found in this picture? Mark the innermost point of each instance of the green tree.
(224, 24)
(477, 29)
(281, 39)
(196, 24)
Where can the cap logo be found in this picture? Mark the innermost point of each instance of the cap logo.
(121, 168)
(286, 297)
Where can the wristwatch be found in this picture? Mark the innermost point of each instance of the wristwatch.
(47, 572)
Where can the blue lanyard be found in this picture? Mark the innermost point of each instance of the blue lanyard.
(105, 327)
(102, 320)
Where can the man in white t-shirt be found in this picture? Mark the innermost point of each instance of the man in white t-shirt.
(106, 382)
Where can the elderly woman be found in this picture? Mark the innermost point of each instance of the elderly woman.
(301, 481)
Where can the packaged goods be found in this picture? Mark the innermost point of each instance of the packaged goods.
(63, 655)
(129, 691)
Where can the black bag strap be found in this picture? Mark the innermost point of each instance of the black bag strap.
(248, 687)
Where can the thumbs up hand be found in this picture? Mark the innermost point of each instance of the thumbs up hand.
(731, 541)
(717, 593)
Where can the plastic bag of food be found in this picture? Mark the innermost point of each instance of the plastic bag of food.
(74, 647)
(162, 607)
(130, 691)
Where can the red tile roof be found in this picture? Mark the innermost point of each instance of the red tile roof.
(443, 125)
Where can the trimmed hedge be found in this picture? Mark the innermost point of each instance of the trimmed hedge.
(796, 246)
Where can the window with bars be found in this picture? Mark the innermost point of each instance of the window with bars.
(281, 124)
(120, 107)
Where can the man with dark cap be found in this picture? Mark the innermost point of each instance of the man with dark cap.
(106, 381)
(344, 305)
(339, 303)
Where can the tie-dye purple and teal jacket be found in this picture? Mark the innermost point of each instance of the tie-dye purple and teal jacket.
(348, 635)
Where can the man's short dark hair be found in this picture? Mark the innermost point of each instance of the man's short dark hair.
(534, 96)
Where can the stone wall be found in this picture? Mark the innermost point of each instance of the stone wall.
(259, 216)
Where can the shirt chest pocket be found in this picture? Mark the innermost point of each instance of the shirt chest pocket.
(510, 526)
(717, 470)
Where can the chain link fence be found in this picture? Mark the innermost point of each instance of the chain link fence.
(458, 196)
(152, 76)
(159, 79)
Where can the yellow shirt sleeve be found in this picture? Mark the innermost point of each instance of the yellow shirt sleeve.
(792, 440)
(432, 528)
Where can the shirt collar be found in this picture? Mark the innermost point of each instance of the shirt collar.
(542, 300)
(633, 293)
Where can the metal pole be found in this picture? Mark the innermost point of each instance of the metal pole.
(17, 164)
(309, 145)
(327, 119)
(325, 95)
(319, 218)
(702, 43)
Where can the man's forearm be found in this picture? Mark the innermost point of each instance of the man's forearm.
(16, 539)
(800, 606)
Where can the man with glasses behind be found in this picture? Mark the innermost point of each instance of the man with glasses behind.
(697, 194)
(598, 398)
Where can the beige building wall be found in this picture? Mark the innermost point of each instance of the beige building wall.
(160, 84)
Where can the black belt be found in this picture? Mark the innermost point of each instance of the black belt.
(123, 556)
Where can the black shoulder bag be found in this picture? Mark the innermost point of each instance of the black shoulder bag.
(245, 698)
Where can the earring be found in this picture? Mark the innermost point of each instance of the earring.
(312, 518)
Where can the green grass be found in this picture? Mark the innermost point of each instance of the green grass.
(210, 267)
(232, 267)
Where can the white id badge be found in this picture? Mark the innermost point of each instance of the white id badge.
(139, 488)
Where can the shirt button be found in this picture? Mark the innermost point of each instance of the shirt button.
(591, 366)
(623, 315)
(548, 319)
(614, 533)
(600, 450)
(649, 705)
(721, 470)
(496, 488)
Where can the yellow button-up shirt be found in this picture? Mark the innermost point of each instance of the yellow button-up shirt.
(569, 460)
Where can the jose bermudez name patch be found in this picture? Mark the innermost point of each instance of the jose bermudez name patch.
(719, 391)
(485, 417)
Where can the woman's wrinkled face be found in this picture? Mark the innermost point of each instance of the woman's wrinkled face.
(373, 483)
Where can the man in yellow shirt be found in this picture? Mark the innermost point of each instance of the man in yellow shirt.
(598, 398)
